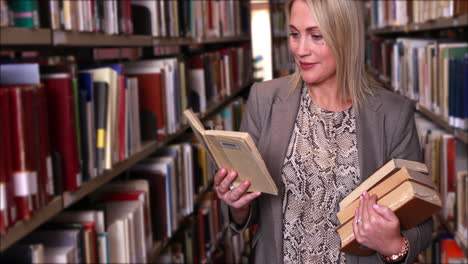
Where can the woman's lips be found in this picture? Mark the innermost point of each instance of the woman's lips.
(306, 65)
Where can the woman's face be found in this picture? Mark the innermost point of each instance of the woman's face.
(310, 51)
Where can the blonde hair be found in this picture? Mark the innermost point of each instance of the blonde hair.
(341, 24)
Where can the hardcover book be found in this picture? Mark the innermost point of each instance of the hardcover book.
(381, 174)
(411, 195)
(234, 151)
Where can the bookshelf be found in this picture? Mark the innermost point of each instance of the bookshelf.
(60, 203)
(12, 37)
(283, 63)
(203, 37)
(451, 229)
(408, 60)
(437, 24)
(437, 119)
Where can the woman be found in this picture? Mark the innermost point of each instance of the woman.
(321, 132)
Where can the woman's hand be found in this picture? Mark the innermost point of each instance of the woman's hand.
(237, 198)
(377, 227)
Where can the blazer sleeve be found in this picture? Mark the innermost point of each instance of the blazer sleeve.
(250, 124)
(404, 144)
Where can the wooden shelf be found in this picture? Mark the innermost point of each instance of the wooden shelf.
(442, 23)
(60, 203)
(22, 228)
(90, 186)
(11, 36)
(91, 39)
(159, 246)
(458, 133)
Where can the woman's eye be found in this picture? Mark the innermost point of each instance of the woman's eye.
(294, 34)
(316, 37)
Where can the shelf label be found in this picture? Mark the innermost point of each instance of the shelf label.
(21, 182)
(3, 196)
(59, 37)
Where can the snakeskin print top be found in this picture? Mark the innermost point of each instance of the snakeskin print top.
(320, 168)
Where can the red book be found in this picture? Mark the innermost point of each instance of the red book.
(5, 119)
(3, 188)
(61, 111)
(31, 128)
(45, 162)
(21, 173)
(151, 100)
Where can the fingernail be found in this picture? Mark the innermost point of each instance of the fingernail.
(223, 170)
(232, 173)
(376, 206)
(364, 193)
(246, 182)
(360, 197)
(258, 193)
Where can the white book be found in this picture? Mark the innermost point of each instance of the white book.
(59, 255)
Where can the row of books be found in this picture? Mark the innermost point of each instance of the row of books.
(444, 249)
(117, 230)
(164, 18)
(432, 72)
(447, 160)
(127, 216)
(278, 20)
(283, 61)
(66, 127)
(200, 236)
(400, 13)
(69, 124)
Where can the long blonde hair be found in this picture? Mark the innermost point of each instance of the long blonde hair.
(341, 24)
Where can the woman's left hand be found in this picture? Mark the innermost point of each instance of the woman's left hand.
(377, 227)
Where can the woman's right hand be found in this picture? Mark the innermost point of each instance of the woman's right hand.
(237, 198)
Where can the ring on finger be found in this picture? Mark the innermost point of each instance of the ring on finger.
(231, 187)
(358, 220)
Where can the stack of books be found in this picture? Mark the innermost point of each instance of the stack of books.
(401, 185)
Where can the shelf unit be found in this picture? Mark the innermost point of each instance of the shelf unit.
(159, 246)
(442, 23)
(60, 203)
(10, 36)
(437, 119)
(457, 24)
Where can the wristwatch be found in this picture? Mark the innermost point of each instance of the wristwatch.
(400, 255)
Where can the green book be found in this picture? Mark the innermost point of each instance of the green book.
(25, 13)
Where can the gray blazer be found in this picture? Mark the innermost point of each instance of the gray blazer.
(385, 129)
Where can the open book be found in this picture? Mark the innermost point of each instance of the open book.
(234, 151)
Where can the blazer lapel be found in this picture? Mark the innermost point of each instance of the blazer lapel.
(283, 116)
(370, 137)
